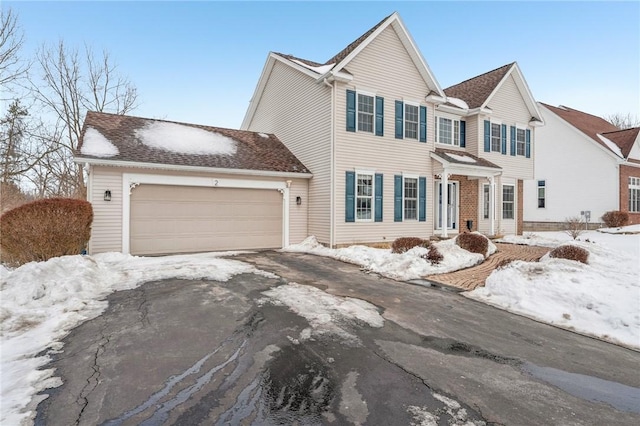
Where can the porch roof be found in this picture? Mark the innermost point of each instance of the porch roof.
(465, 164)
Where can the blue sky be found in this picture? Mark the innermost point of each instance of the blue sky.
(200, 61)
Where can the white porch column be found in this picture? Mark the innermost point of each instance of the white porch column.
(492, 204)
(444, 185)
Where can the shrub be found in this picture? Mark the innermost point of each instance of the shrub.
(434, 256)
(475, 243)
(615, 218)
(43, 229)
(404, 244)
(573, 226)
(570, 252)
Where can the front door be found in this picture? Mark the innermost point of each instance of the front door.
(452, 205)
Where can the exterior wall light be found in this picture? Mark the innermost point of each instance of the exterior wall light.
(107, 195)
(298, 200)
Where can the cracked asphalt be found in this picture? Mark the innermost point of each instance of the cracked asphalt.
(206, 352)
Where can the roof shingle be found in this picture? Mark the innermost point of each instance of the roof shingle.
(254, 151)
(624, 139)
(476, 90)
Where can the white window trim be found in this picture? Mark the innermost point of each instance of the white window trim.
(417, 178)
(514, 201)
(373, 195)
(499, 123)
(453, 118)
(524, 149)
(545, 193)
(372, 95)
(404, 120)
(488, 216)
(634, 184)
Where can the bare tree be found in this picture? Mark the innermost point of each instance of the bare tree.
(70, 85)
(622, 121)
(11, 41)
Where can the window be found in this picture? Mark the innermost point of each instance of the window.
(411, 121)
(364, 196)
(410, 198)
(486, 201)
(520, 142)
(634, 194)
(365, 113)
(496, 137)
(542, 194)
(448, 131)
(508, 198)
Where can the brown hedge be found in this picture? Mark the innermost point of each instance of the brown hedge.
(615, 218)
(475, 243)
(404, 244)
(434, 256)
(43, 229)
(570, 252)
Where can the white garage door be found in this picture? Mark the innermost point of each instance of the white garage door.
(183, 219)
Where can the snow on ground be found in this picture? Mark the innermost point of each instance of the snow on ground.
(327, 314)
(601, 298)
(184, 139)
(405, 266)
(40, 302)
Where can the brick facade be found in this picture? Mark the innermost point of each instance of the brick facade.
(625, 173)
(468, 201)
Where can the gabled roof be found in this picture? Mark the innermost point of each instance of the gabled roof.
(588, 124)
(463, 158)
(340, 56)
(624, 139)
(126, 142)
(478, 91)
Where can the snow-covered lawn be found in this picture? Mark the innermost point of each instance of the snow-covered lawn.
(406, 266)
(40, 302)
(600, 299)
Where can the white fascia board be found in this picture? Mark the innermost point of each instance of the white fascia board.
(436, 99)
(175, 167)
(522, 86)
(259, 90)
(465, 170)
(339, 76)
(453, 110)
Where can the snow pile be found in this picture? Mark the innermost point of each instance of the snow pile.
(95, 144)
(457, 102)
(327, 314)
(322, 69)
(462, 158)
(185, 139)
(40, 302)
(599, 299)
(405, 266)
(458, 415)
(630, 229)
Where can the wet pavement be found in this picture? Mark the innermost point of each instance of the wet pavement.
(206, 352)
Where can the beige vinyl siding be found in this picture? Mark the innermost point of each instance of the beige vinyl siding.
(473, 139)
(509, 108)
(290, 93)
(502, 226)
(384, 68)
(106, 234)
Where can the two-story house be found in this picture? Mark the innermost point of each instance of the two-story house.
(585, 166)
(393, 154)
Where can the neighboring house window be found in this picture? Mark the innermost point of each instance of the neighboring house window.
(542, 194)
(410, 198)
(486, 201)
(634, 194)
(411, 121)
(520, 141)
(495, 137)
(449, 131)
(365, 113)
(364, 196)
(508, 201)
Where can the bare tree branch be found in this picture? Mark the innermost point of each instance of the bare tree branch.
(622, 121)
(11, 41)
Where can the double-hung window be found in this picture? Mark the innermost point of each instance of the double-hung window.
(448, 131)
(542, 194)
(364, 196)
(634, 194)
(411, 121)
(365, 113)
(496, 137)
(520, 141)
(508, 201)
(410, 198)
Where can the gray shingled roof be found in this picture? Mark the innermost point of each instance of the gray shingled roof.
(254, 151)
(476, 90)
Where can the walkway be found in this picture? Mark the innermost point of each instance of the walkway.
(471, 278)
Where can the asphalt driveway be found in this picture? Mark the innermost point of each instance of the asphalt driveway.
(207, 352)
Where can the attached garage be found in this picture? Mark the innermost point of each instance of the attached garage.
(181, 219)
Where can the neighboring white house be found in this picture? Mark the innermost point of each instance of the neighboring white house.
(584, 167)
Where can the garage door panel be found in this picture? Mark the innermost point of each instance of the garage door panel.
(173, 219)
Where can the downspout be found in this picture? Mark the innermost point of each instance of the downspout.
(332, 166)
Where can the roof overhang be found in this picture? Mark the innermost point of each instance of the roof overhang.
(176, 167)
(474, 170)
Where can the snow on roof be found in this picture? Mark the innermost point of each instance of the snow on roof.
(95, 144)
(611, 145)
(185, 139)
(320, 70)
(263, 135)
(461, 158)
(457, 102)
